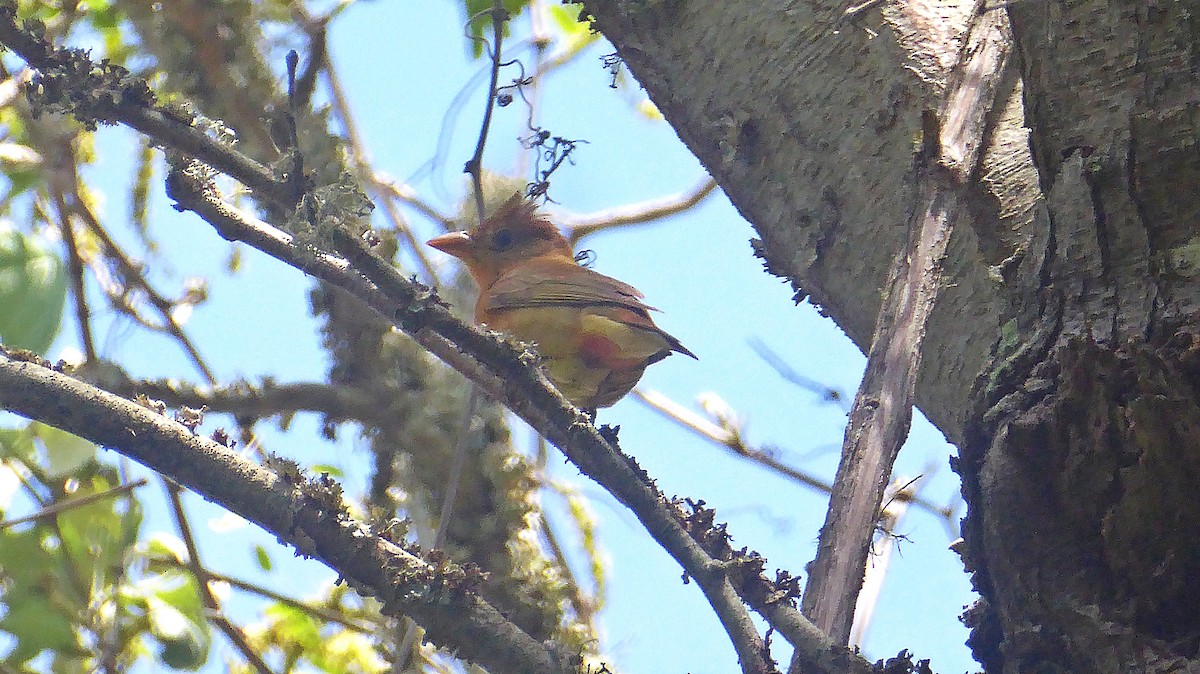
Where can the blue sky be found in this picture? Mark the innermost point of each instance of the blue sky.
(402, 63)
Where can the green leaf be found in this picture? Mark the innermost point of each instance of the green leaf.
(95, 534)
(347, 651)
(179, 590)
(17, 443)
(38, 627)
(294, 626)
(33, 289)
(575, 34)
(39, 613)
(263, 559)
(65, 453)
(175, 615)
(480, 18)
(327, 469)
(184, 642)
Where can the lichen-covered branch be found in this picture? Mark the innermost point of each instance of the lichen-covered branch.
(307, 514)
(503, 371)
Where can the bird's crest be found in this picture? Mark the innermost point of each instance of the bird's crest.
(519, 212)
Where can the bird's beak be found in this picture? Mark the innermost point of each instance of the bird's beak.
(458, 244)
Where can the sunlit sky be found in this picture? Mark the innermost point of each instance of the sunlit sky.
(402, 64)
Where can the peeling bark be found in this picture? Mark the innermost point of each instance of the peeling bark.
(1062, 356)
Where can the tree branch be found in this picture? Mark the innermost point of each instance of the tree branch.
(522, 388)
(503, 371)
(338, 402)
(57, 507)
(882, 410)
(637, 214)
(308, 515)
(70, 82)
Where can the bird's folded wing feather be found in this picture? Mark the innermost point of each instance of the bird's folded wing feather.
(550, 282)
(554, 282)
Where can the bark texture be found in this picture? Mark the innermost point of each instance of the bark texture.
(1063, 356)
(1083, 467)
(809, 118)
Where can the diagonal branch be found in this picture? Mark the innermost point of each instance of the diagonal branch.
(503, 371)
(308, 515)
(108, 93)
(54, 509)
(882, 411)
(637, 214)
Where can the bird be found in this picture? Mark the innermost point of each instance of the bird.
(593, 333)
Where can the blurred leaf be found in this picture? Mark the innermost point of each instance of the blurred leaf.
(42, 11)
(65, 453)
(574, 34)
(95, 535)
(349, 651)
(17, 443)
(10, 485)
(139, 193)
(186, 652)
(35, 597)
(33, 289)
(479, 17)
(24, 562)
(326, 469)
(102, 14)
(105, 18)
(581, 513)
(178, 589)
(294, 627)
(263, 559)
(20, 155)
(649, 110)
(233, 263)
(37, 627)
(175, 616)
(184, 642)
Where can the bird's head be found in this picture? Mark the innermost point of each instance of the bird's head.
(514, 233)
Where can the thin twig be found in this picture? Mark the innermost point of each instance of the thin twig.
(231, 631)
(458, 462)
(58, 507)
(404, 192)
(474, 165)
(886, 540)
(636, 214)
(247, 586)
(584, 607)
(532, 94)
(132, 272)
(75, 270)
(336, 401)
(827, 393)
(737, 446)
(361, 162)
(453, 481)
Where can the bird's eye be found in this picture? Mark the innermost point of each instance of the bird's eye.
(502, 239)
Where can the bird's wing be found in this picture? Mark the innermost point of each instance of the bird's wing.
(552, 282)
(563, 283)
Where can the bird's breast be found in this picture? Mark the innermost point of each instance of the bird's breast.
(590, 354)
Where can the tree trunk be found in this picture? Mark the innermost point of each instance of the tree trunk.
(1064, 354)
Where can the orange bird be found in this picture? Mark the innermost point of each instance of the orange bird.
(593, 332)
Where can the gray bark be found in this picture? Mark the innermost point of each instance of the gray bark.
(1062, 357)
